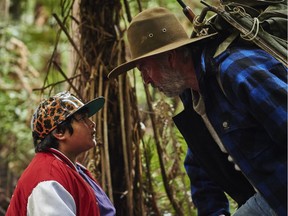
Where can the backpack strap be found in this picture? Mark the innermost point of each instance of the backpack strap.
(215, 50)
(226, 43)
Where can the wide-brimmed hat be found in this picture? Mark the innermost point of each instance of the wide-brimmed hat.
(151, 32)
(56, 109)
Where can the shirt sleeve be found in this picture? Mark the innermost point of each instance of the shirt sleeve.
(208, 198)
(51, 199)
(257, 83)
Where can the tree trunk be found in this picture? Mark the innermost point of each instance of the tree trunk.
(102, 47)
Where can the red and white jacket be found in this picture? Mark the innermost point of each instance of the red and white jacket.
(51, 185)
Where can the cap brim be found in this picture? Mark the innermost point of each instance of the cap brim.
(94, 105)
(132, 63)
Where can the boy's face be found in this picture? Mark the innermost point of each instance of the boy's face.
(84, 134)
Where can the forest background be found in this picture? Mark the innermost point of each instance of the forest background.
(47, 46)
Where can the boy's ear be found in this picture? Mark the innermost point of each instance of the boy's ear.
(60, 135)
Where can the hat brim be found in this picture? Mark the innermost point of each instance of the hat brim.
(132, 63)
(93, 106)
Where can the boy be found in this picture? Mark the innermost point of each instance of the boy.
(54, 183)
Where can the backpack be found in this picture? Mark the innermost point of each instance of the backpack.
(263, 22)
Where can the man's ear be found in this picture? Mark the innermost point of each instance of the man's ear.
(172, 58)
(60, 135)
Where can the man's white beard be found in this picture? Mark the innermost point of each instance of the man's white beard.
(172, 84)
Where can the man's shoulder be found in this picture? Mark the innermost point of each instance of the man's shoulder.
(236, 56)
(241, 57)
(244, 52)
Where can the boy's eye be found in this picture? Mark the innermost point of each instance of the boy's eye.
(82, 117)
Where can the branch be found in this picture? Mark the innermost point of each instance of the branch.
(70, 39)
(56, 83)
(67, 79)
(167, 187)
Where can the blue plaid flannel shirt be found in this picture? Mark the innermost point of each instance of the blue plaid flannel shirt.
(250, 117)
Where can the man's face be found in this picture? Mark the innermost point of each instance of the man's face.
(157, 72)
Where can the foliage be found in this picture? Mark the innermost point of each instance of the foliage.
(173, 147)
(27, 40)
(173, 152)
(15, 99)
